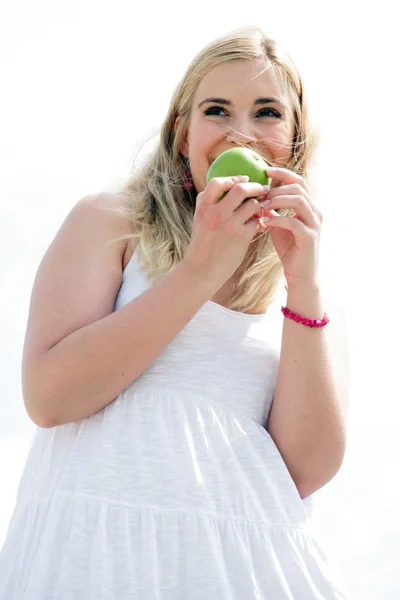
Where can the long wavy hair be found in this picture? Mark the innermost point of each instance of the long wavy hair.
(160, 209)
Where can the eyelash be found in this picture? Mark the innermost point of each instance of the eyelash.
(209, 112)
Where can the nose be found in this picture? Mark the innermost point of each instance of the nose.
(241, 133)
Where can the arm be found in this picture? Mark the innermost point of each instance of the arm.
(79, 355)
(308, 416)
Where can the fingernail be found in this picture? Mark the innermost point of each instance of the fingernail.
(242, 178)
(265, 219)
(266, 188)
(265, 203)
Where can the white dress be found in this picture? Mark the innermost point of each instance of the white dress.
(175, 490)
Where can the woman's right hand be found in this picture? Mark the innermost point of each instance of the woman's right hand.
(223, 228)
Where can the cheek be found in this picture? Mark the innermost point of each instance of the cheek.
(203, 134)
(206, 136)
(279, 143)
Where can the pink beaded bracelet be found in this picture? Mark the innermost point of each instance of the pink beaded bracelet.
(309, 322)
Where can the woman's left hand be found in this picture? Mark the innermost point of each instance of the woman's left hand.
(296, 238)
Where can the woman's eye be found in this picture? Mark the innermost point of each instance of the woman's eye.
(269, 112)
(264, 112)
(214, 110)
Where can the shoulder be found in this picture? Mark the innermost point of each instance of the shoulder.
(104, 212)
(105, 206)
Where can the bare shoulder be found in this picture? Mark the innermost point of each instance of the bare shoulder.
(106, 207)
(80, 274)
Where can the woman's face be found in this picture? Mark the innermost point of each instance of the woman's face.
(237, 104)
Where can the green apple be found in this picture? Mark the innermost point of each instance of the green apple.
(240, 161)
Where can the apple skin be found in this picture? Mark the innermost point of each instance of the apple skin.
(239, 161)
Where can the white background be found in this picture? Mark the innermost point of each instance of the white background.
(84, 81)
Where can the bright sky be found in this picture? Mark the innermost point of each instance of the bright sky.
(84, 81)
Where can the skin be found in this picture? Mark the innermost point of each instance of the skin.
(242, 123)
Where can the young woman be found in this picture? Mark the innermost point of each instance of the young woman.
(184, 419)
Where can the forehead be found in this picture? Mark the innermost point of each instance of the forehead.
(241, 80)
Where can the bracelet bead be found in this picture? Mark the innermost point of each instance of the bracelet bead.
(304, 320)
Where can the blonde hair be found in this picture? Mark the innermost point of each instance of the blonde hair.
(161, 211)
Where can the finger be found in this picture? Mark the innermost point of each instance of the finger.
(249, 209)
(292, 224)
(290, 189)
(299, 204)
(219, 186)
(255, 226)
(240, 194)
(286, 176)
(295, 189)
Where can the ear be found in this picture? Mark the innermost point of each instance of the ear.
(184, 146)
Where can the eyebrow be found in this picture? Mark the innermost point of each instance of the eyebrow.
(229, 103)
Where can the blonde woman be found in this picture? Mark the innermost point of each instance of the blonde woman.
(184, 419)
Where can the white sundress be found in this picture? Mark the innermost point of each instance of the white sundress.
(175, 490)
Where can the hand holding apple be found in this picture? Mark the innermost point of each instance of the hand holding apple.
(223, 228)
(296, 237)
